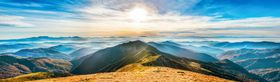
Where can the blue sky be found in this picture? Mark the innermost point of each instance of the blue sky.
(25, 18)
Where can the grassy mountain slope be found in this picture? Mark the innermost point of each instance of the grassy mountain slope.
(11, 66)
(138, 52)
(149, 74)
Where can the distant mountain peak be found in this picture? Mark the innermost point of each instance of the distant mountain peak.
(226, 61)
(134, 43)
(171, 43)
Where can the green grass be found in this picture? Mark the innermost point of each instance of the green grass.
(136, 67)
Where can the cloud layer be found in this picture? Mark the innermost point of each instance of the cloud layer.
(110, 18)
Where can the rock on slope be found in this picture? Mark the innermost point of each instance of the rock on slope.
(148, 74)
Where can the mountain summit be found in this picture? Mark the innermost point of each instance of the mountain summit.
(137, 53)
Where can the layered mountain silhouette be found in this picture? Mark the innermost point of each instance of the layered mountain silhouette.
(4, 48)
(42, 52)
(81, 53)
(11, 66)
(249, 45)
(67, 49)
(181, 52)
(244, 53)
(269, 74)
(263, 62)
(202, 49)
(260, 63)
(138, 52)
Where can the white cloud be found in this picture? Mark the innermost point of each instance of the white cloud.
(107, 14)
(16, 21)
(110, 18)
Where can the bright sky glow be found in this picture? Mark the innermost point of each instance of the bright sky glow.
(138, 14)
(205, 18)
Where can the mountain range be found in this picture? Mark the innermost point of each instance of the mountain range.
(263, 62)
(234, 61)
(67, 49)
(4, 48)
(11, 66)
(181, 52)
(248, 45)
(141, 53)
(42, 52)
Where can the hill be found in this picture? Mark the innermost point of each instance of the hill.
(263, 62)
(42, 52)
(33, 76)
(149, 74)
(67, 49)
(181, 52)
(248, 45)
(11, 66)
(243, 54)
(113, 58)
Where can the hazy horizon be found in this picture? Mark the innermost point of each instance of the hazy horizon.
(87, 18)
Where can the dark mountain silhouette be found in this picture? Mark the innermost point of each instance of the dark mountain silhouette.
(113, 58)
(181, 52)
(11, 66)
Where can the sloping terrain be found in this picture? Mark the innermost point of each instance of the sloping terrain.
(113, 58)
(11, 66)
(249, 45)
(260, 63)
(5, 48)
(80, 53)
(270, 74)
(263, 62)
(181, 52)
(42, 52)
(67, 49)
(148, 74)
(32, 76)
(242, 54)
(201, 49)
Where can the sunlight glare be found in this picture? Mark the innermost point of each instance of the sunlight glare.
(138, 14)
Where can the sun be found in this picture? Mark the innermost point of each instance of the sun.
(138, 14)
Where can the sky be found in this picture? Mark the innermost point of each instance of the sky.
(202, 18)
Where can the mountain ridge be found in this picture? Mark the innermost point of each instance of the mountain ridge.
(135, 51)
